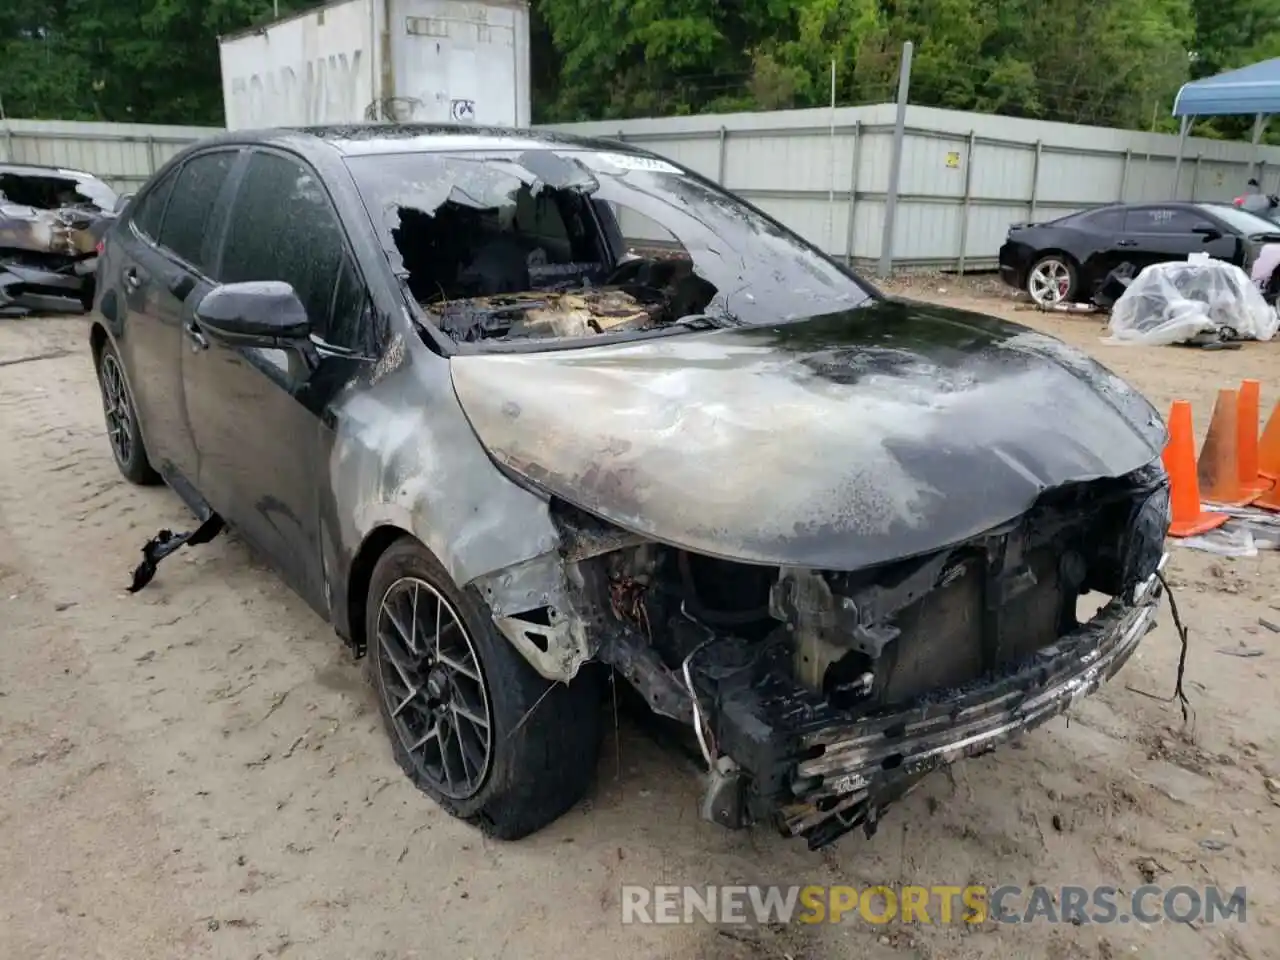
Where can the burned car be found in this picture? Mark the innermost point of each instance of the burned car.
(520, 414)
(51, 222)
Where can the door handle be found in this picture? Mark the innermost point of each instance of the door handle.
(131, 278)
(198, 340)
(1126, 243)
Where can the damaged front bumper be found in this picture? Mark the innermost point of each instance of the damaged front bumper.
(820, 775)
(34, 289)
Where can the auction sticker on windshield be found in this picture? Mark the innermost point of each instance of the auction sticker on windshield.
(627, 161)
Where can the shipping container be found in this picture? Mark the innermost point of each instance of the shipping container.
(382, 60)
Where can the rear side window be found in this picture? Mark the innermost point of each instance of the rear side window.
(149, 210)
(191, 205)
(1160, 220)
(282, 227)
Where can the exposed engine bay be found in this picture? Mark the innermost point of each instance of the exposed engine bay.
(817, 698)
(50, 225)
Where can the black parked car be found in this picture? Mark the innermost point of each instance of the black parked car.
(840, 538)
(1066, 260)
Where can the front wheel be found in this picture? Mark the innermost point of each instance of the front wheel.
(1052, 280)
(471, 723)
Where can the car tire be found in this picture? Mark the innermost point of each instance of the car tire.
(123, 432)
(1049, 272)
(541, 739)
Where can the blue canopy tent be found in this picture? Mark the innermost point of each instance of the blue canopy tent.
(1253, 90)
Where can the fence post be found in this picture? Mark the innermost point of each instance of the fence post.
(1035, 179)
(151, 154)
(1195, 175)
(853, 191)
(895, 162)
(1124, 176)
(8, 144)
(964, 207)
(720, 163)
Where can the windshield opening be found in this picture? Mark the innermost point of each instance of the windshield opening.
(1242, 220)
(575, 243)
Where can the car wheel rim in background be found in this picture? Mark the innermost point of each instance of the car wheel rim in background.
(434, 689)
(1050, 282)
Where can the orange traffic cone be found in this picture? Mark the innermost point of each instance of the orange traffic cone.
(1251, 484)
(1219, 466)
(1269, 459)
(1184, 486)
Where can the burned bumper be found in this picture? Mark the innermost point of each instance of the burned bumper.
(821, 778)
(25, 288)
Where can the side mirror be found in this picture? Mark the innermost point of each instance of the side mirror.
(122, 201)
(261, 313)
(1207, 230)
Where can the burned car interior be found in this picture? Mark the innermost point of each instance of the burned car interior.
(530, 246)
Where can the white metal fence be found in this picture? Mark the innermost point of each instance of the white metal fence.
(964, 177)
(825, 173)
(123, 154)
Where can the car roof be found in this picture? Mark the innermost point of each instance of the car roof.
(1164, 204)
(362, 139)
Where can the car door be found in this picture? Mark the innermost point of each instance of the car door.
(162, 273)
(150, 351)
(1156, 234)
(257, 413)
(1094, 241)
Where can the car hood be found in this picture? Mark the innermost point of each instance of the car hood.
(836, 443)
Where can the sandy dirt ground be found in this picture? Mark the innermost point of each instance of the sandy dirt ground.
(199, 770)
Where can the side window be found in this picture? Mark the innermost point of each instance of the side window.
(191, 206)
(1106, 221)
(282, 227)
(350, 322)
(1160, 220)
(149, 210)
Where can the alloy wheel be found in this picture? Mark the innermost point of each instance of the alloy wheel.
(1050, 282)
(115, 404)
(434, 688)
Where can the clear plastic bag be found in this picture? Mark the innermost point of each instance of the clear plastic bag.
(1179, 300)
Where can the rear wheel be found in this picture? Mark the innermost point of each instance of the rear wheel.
(1052, 280)
(123, 433)
(471, 723)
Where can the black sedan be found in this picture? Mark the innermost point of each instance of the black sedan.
(838, 538)
(1066, 260)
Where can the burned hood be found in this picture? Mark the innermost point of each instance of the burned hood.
(838, 442)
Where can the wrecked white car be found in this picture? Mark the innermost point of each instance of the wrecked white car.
(513, 411)
(51, 221)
